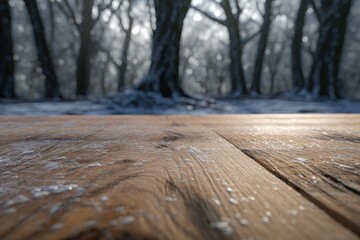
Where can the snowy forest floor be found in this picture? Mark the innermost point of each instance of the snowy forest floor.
(132, 102)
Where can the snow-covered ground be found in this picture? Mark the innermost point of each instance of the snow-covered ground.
(130, 103)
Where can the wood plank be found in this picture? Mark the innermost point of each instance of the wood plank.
(143, 177)
(319, 155)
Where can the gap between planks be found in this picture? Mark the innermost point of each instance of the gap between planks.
(321, 137)
(337, 216)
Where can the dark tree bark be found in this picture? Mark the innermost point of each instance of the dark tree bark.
(52, 21)
(125, 47)
(83, 60)
(238, 80)
(296, 48)
(259, 61)
(324, 75)
(43, 52)
(235, 50)
(7, 84)
(163, 76)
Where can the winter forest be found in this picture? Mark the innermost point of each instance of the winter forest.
(228, 50)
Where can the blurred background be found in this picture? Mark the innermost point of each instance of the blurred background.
(208, 51)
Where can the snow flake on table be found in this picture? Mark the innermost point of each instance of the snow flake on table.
(38, 192)
(223, 227)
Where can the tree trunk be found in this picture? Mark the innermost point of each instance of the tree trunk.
(235, 51)
(103, 75)
(52, 22)
(236, 65)
(7, 84)
(259, 61)
(83, 60)
(296, 48)
(324, 76)
(44, 56)
(125, 50)
(163, 76)
(231, 22)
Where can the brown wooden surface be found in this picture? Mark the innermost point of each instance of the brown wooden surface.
(317, 155)
(180, 177)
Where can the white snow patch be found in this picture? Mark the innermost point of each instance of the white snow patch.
(300, 160)
(136, 102)
(170, 199)
(97, 164)
(123, 220)
(38, 192)
(233, 201)
(223, 227)
(17, 200)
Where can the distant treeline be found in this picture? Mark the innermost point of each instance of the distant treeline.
(85, 47)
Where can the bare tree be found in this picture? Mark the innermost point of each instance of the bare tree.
(273, 60)
(324, 75)
(232, 12)
(163, 75)
(83, 60)
(43, 52)
(126, 43)
(264, 35)
(7, 84)
(296, 48)
(84, 28)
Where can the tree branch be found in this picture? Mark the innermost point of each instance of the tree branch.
(72, 14)
(315, 8)
(151, 16)
(100, 10)
(208, 15)
(69, 14)
(249, 38)
(106, 51)
(238, 10)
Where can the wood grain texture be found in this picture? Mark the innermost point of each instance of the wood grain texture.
(165, 177)
(317, 155)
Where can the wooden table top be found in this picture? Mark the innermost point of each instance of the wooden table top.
(180, 177)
